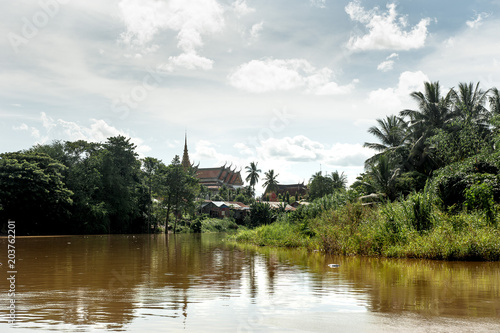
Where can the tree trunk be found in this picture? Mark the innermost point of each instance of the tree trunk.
(167, 219)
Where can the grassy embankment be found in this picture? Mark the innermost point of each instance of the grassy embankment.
(416, 227)
(204, 224)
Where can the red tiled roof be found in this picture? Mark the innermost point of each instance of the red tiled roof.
(225, 175)
(208, 173)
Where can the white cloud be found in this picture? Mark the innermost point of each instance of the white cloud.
(23, 127)
(451, 62)
(241, 8)
(192, 20)
(388, 64)
(188, 61)
(98, 131)
(258, 76)
(386, 31)
(302, 149)
(477, 21)
(318, 3)
(396, 99)
(255, 31)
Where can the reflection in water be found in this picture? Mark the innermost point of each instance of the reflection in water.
(198, 283)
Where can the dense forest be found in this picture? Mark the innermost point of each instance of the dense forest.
(85, 187)
(436, 140)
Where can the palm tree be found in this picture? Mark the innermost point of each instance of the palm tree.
(494, 101)
(339, 180)
(271, 184)
(433, 113)
(433, 110)
(383, 176)
(315, 176)
(391, 132)
(253, 174)
(469, 104)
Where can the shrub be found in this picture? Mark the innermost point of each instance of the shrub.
(451, 182)
(260, 213)
(480, 197)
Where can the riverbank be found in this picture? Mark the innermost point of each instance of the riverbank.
(411, 228)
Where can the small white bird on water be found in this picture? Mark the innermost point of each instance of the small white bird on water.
(333, 265)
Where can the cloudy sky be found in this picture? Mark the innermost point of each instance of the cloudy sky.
(293, 85)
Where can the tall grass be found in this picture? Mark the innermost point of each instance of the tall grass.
(280, 233)
(414, 228)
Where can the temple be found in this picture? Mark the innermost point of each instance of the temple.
(185, 157)
(214, 178)
(281, 189)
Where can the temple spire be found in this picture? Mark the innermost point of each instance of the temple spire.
(185, 157)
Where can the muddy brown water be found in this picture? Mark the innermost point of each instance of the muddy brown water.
(200, 283)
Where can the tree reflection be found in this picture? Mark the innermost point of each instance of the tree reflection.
(106, 281)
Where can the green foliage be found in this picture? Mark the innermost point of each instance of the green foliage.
(413, 228)
(451, 182)
(459, 141)
(218, 225)
(480, 197)
(409, 182)
(33, 193)
(260, 213)
(253, 174)
(279, 233)
(320, 186)
(418, 209)
(270, 182)
(177, 189)
(329, 202)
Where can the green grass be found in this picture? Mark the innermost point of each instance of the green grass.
(279, 233)
(412, 228)
(218, 225)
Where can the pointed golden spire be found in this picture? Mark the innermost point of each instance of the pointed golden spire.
(185, 157)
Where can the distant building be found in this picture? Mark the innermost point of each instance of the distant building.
(292, 189)
(185, 157)
(279, 205)
(214, 178)
(221, 209)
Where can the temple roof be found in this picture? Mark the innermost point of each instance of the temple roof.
(185, 157)
(221, 175)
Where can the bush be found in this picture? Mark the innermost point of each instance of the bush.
(480, 197)
(260, 213)
(451, 182)
(418, 208)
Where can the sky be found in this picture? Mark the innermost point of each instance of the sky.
(292, 85)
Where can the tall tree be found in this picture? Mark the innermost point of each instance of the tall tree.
(315, 176)
(494, 101)
(390, 132)
(270, 181)
(253, 174)
(433, 110)
(151, 167)
(433, 113)
(122, 188)
(178, 189)
(319, 186)
(383, 175)
(33, 193)
(469, 104)
(339, 180)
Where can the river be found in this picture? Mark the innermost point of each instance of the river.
(199, 283)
